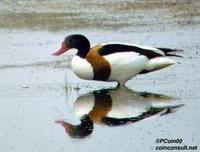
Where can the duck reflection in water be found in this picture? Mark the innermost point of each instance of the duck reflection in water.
(116, 108)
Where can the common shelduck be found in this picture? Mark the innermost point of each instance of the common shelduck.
(116, 108)
(113, 61)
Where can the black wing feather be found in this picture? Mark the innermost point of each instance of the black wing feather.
(167, 51)
(115, 48)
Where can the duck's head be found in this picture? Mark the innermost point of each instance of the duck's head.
(75, 41)
(82, 130)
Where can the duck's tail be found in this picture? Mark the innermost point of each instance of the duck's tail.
(171, 52)
(161, 62)
(157, 63)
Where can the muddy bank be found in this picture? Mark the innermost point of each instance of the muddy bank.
(113, 15)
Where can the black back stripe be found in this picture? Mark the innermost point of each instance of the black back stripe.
(115, 48)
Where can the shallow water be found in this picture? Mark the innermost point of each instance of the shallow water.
(37, 89)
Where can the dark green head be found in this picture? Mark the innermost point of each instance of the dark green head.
(76, 41)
